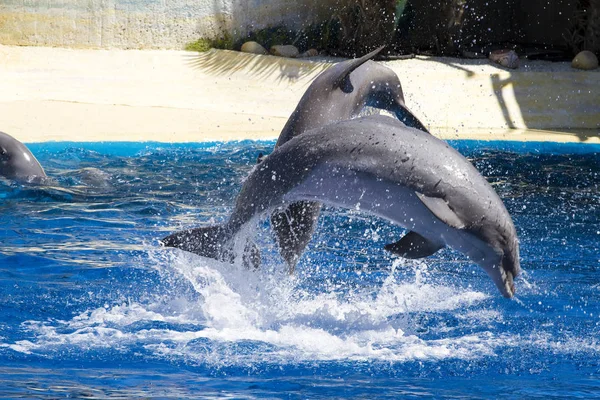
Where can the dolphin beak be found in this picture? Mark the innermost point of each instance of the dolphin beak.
(407, 117)
(503, 279)
(509, 286)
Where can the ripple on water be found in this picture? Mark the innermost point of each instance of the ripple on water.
(84, 283)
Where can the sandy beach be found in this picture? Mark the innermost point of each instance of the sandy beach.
(58, 94)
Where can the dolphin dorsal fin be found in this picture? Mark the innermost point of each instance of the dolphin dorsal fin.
(350, 65)
(413, 245)
(440, 208)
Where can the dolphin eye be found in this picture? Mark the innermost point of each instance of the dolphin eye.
(3, 151)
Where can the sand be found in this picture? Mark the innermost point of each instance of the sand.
(58, 94)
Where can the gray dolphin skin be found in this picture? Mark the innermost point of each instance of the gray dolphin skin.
(16, 161)
(380, 166)
(339, 93)
(342, 91)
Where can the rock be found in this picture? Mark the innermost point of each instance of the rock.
(285, 51)
(506, 58)
(253, 47)
(585, 60)
(310, 53)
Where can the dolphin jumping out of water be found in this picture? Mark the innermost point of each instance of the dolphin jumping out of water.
(378, 165)
(342, 91)
(16, 161)
(339, 93)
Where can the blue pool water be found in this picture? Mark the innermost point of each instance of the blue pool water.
(91, 307)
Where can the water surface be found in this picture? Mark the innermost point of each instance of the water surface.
(92, 307)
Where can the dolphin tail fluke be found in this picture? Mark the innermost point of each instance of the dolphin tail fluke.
(413, 245)
(213, 242)
(351, 65)
(209, 241)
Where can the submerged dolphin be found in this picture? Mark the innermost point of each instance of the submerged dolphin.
(16, 161)
(339, 93)
(378, 165)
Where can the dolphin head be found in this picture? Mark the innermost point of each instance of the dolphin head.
(342, 91)
(382, 89)
(363, 82)
(501, 259)
(498, 230)
(16, 161)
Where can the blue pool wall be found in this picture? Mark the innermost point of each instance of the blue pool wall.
(125, 149)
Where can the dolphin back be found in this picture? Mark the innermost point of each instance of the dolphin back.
(445, 182)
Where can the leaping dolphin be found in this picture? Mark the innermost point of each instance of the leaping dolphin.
(17, 162)
(382, 167)
(339, 93)
(342, 91)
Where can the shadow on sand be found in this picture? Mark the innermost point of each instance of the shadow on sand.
(225, 62)
(564, 102)
(544, 96)
(541, 95)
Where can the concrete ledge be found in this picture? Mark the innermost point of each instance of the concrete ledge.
(176, 96)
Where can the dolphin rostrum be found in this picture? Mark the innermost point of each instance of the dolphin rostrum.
(339, 93)
(378, 165)
(17, 162)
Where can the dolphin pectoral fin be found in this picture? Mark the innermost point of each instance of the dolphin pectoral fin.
(413, 245)
(439, 207)
(293, 228)
(342, 80)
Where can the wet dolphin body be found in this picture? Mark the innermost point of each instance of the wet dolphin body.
(342, 91)
(384, 168)
(16, 161)
(339, 93)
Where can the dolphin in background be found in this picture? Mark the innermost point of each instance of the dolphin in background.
(342, 91)
(17, 163)
(339, 93)
(382, 167)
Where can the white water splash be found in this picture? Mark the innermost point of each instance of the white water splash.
(278, 319)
